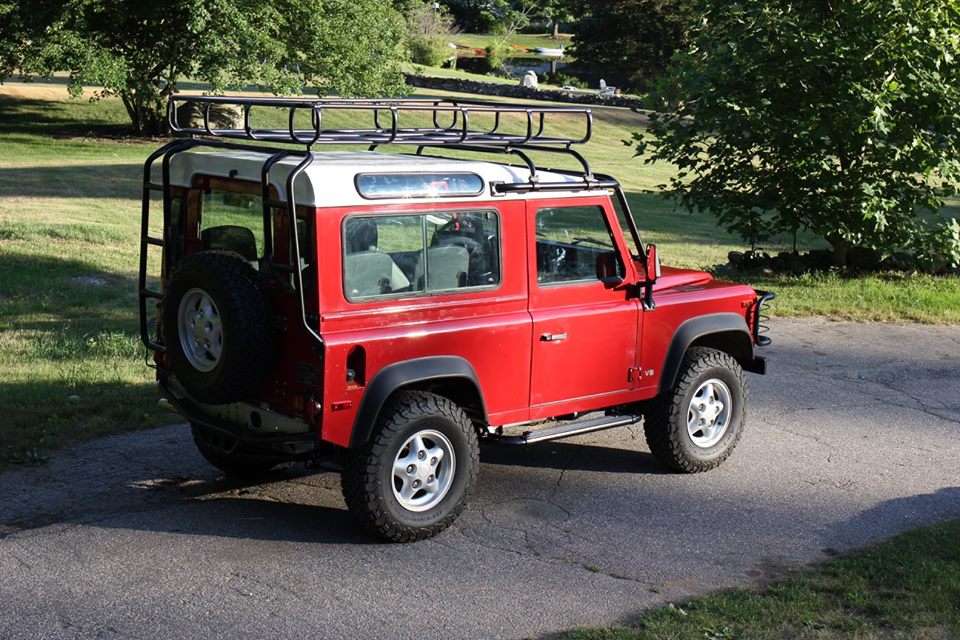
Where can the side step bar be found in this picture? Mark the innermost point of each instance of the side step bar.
(569, 429)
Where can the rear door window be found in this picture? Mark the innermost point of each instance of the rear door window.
(232, 221)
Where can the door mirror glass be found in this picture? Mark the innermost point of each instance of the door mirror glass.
(653, 263)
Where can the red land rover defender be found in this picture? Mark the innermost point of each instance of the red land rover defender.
(397, 308)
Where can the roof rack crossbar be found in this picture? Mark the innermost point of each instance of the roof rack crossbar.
(459, 131)
(587, 174)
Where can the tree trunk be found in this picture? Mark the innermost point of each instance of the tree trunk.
(839, 252)
(147, 117)
(154, 121)
(556, 30)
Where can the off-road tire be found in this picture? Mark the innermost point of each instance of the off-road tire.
(249, 328)
(237, 465)
(367, 477)
(665, 417)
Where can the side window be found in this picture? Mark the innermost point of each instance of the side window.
(420, 253)
(575, 245)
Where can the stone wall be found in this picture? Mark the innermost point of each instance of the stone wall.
(516, 91)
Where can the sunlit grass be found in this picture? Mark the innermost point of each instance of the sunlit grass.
(528, 40)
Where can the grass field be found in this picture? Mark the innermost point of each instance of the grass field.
(71, 366)
(905, 588)
(527, 40)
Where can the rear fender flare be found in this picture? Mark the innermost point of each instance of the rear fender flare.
(417, 373)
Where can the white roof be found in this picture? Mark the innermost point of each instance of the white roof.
(329, 180)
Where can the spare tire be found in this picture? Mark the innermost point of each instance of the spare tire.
(218, 327)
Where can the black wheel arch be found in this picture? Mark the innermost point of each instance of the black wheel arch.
(452, 377)
(727, 332)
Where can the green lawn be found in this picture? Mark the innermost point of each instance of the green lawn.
(904, 588)
(527, 40)
(71, 366)
(459, 74)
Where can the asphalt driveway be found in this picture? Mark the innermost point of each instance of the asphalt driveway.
(853, 436)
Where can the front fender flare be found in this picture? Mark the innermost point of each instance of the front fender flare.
(732, 335)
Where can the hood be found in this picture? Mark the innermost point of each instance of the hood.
(671, 277)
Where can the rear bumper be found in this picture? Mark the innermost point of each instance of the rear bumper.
(232, 436)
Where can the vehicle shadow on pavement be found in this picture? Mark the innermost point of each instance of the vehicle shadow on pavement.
(253, 519)
(294, 506)
(890, 517)
(572, 456)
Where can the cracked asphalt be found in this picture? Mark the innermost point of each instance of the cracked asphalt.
(853, 436)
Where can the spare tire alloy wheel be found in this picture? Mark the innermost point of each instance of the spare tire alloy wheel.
(218, 327)
(200, 329)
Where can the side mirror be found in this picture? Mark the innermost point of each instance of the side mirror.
(608, 268)
(652, 266)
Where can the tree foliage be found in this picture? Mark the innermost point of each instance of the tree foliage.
(629, 43)
(502, 16)
(837, 117)
(140, 50)
(482, 16)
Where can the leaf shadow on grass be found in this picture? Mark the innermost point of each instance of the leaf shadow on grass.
(113, 181)
(62, 290)
(68, 328)
(53, 118)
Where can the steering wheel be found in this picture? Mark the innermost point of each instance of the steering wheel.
(473, 247)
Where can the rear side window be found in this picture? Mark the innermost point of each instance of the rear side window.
(233, 222)
(574, 244)
(421, 253)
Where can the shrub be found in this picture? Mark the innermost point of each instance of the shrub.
(495, 54)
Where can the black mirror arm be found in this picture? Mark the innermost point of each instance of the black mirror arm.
(647, 300)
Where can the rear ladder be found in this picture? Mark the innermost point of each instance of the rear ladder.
(287, 205)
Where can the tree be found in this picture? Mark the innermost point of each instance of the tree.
(11, 29)
(482, 16)
(555, 12)
(140, 50)
(837, 117)
(428, 32)
(629, 43)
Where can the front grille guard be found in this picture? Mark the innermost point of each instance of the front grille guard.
(760, 319)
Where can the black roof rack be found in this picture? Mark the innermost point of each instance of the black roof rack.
(453, 121)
